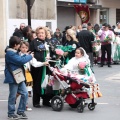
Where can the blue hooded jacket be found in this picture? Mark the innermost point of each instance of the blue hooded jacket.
(15, 61)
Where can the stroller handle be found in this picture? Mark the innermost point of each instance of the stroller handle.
(72, 79)
(50, 68)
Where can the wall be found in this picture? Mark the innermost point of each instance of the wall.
(112, 16)
(93, 16)
(42, 11)
(65, 17)
(112, 5)
(14, 12)
(77, 20)
(3, 25)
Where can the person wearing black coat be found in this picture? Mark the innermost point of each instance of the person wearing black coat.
(19, 32)
(72, 41)
(38, 46)
(85, 38)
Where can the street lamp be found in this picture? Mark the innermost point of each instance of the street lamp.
(29, 6)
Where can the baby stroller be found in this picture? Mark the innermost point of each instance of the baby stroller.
(73, 92)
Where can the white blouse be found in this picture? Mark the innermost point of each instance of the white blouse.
(73, 67)
(32, 62)
(73, 63)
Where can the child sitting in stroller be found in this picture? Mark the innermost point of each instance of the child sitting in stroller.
(80, 66)
(75, 78)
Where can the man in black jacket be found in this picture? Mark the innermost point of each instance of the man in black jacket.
(19, 32)
(85, 37)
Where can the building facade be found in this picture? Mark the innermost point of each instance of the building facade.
(101, 11)
(52, 13)
(43, 13)
(14, 12)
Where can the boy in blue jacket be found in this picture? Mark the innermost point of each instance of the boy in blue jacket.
(15, 61)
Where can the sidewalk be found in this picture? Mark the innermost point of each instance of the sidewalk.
(2, 65)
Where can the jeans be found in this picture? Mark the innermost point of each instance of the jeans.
(13, 90)
(91, 58)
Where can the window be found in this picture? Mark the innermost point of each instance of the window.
(48, 24)
(117, 15)
(104, 16)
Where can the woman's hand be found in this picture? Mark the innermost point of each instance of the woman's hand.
(46, 63)
(48, 58)
(65, 54)
(32, 54)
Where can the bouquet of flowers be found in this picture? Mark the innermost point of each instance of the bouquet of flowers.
(82, 66)
(94, 46)
(98, 41)
(108, 38)
(59, 52)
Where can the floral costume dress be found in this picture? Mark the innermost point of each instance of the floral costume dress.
(116, 49)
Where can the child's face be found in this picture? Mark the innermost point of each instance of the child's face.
(34, 35)
(78, 54)
(17, 47)
(24, 48)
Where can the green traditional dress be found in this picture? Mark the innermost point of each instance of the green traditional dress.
(116, 49)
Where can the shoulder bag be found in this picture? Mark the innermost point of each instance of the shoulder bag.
(17, 74)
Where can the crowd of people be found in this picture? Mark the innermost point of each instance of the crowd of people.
(30, 50)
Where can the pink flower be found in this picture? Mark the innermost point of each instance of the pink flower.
(90, 79)
(59, 52)
(82, 65)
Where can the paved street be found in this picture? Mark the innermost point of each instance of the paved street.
(108, 107)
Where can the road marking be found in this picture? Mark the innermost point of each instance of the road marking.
(3, 100)
(103, 103)
(115, 77)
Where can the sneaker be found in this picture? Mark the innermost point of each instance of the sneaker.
(22, 116)
(28, 109)
(13, 117)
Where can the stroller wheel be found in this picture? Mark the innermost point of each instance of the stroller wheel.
(91, 106)
(74, 105)
(57, 103)
(80, 108)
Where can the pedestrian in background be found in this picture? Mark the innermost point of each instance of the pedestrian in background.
(85, 37)
(58, 35)
(106, 38)
(71, 40)
(19, 32)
